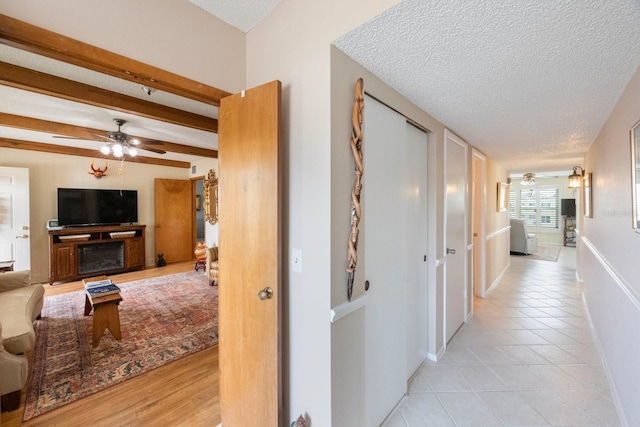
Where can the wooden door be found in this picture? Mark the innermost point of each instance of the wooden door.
(250, 257)
(173, 205)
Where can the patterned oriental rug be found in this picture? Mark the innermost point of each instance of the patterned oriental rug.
(162, 319)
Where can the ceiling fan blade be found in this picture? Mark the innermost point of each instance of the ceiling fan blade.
(155, 150)
(151, 142)
(81, 139)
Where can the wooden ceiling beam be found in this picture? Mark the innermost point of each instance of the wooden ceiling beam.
(84, 152)
(34, 39)
(46, 84)
(63, 129)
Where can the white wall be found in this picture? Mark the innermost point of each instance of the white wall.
(293, 45)
(608, 251)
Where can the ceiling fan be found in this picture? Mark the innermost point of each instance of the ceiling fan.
(119, 143)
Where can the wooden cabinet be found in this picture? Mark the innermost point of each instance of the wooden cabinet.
(134, 253)
(62, 265)
(79, 252)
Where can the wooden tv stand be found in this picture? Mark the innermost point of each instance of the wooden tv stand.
(79, 252)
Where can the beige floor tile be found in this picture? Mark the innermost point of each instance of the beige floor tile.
(424, 409)
(468, 409)
(526, 358)
(512, 409)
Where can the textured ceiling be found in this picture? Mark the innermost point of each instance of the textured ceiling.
(530, 83)
(242, 14)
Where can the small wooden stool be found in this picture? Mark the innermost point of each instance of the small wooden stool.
(105, 313)
(200, 264)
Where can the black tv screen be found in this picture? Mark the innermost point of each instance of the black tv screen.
(568, 207)
(80, 207)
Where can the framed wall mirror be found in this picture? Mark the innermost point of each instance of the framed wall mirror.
(502, 197)
(635, 175)
(211, 197)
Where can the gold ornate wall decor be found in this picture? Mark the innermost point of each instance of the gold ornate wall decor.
(356, 144)
(211, 197)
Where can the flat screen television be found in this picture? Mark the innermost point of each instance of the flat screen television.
(568, 207)
(83, 207)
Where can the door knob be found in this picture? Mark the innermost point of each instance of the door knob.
(266, 293)
(451, 251)
(24, 236)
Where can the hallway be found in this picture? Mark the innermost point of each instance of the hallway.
(526, 358)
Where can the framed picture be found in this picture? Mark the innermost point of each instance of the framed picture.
(502, 197)
(588, 196)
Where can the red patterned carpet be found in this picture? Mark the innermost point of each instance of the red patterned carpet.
(162, 319)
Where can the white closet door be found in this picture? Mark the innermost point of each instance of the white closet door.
(416, 169)
(456, 234)
(385, 228)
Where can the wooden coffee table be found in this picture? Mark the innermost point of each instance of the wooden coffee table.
(105, 312)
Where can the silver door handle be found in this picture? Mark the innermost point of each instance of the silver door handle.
(266, 293)
(451, 251)
(24, 236)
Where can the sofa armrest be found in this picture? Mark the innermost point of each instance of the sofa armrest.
(14, 279)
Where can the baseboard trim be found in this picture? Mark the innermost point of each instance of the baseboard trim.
(497, 280)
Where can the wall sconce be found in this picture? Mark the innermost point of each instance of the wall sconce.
(575, 179)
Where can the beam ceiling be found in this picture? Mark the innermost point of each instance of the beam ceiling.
(37, 40)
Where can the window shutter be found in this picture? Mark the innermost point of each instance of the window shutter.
(528, 206)
(512, 204)
(549, 201)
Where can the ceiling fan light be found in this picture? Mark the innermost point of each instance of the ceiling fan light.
(528, 178)
(135, 141)
(117, 149)
(105, 149)
(133, 152)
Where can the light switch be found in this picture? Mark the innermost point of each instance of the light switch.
(296, 260)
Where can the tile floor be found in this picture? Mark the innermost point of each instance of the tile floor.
(526, 358)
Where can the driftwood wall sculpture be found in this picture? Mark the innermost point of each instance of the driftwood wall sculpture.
(356, 143)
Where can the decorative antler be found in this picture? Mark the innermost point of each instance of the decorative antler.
(356, 211)
(99, 173)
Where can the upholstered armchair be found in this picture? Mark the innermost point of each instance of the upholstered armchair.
(212, 265)
(521, 241)
(13, 376)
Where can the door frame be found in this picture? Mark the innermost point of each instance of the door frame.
(194, 210)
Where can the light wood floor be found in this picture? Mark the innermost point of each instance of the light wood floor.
(181, 393)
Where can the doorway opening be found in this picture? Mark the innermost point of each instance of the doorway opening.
(198, 191)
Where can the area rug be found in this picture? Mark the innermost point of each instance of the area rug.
(544, 253)
(162, 319)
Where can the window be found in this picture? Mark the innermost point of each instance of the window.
(538, 207)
